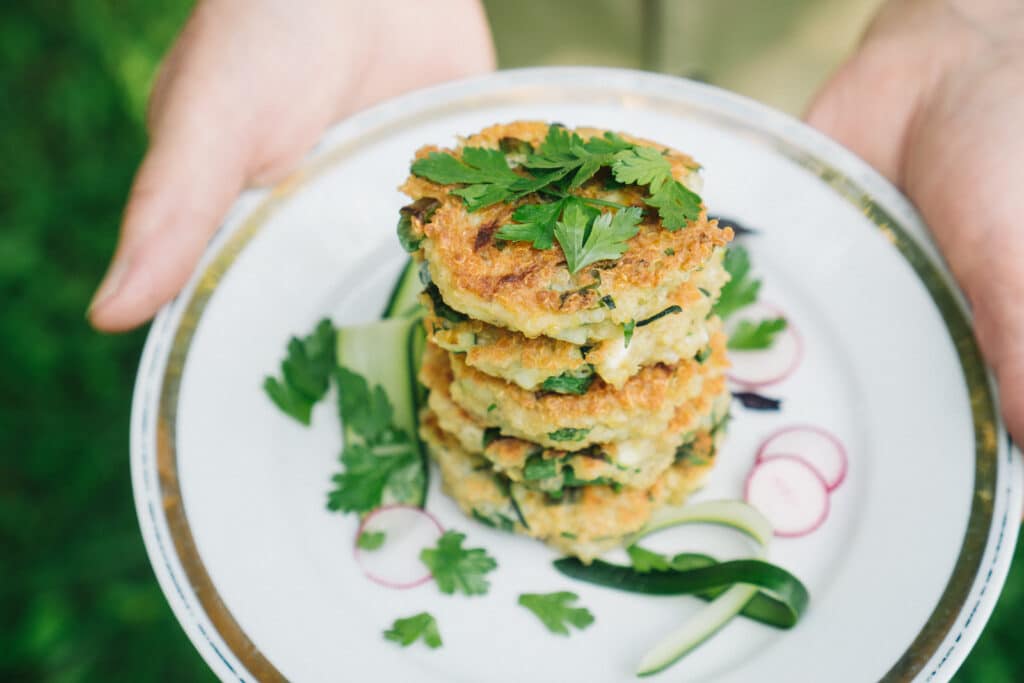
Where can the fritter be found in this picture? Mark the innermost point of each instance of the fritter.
(514, 285)
(551, 364)
(633, 463)
(584, 521)
(641, 409)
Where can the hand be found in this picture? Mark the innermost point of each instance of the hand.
(934, 99)
(247, 89)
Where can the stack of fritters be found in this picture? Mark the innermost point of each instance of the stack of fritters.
(568, 407)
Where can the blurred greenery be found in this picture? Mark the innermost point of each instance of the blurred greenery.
(77, 597)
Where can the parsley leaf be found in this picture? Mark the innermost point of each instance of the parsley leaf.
(749, 336)
(586, 239)
(642, 166)
(554, 611)
(534, 223)
(644, 560)
(304, 373)
(375, 453)
(365, 412)
(407, 631)
(367, 472)
(371, 540)
(458, 569)
(563, 152)
(741, 290)
(487, 177)
(677, 204)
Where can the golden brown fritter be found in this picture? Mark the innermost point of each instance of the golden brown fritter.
(584, 522)
(529, 362)
(513, 285)
(642, 408)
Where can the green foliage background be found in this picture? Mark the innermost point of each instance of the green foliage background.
(78, 601)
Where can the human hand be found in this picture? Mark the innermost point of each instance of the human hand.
(246, 90)
(934, 99)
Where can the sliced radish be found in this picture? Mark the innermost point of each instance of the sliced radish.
(754, 369)
(819, 448)
(790, 493)
(407, 530)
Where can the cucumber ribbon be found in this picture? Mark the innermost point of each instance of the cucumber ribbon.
(751, 587)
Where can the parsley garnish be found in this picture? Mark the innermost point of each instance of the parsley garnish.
(587, 237)
(741, 290)
(749, 336)
(407, 631)
(563, 162)
(568, 434)
(371, 540)
(554, 611)
(375, 451)
(644, 560)
(305, 373)
(533, 223)
(487, 177)
(458, 569)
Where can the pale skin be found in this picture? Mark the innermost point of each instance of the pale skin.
(933, 98)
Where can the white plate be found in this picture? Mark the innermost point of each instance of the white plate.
(230, 494)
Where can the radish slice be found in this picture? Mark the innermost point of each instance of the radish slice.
(407, 530)
(818, 448)
(790, 493)
(754, 369)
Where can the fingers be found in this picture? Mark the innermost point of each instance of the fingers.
(185, 185)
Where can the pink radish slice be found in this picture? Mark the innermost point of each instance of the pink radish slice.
(789, 493)
(819, 448)
(761, 368)
(396, 563)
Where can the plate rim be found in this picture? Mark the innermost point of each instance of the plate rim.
(946, 638)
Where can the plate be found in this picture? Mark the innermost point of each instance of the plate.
(230, 494)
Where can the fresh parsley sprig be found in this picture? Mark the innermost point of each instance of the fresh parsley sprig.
(377, 454)
(555, 611)
(742, 289)
(751, 336)
(458, 569)
(407, 631)
(305, 373)
(487, 177)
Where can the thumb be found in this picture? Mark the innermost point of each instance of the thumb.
(186, 183)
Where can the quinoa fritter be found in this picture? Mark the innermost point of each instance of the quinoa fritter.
(513, 285)
(642, 408)
(636, 462)
(530, 362)
(585, 521)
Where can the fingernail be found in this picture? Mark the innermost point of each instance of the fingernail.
(110, 285)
